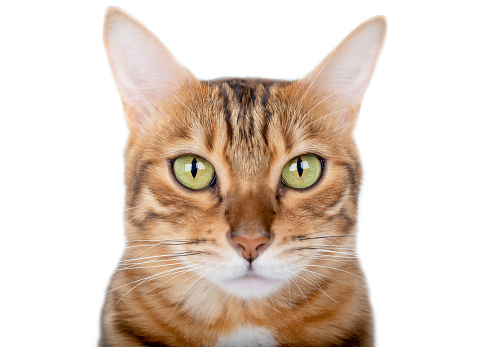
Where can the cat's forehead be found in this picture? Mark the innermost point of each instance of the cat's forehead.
(247, 114)
(246, 123)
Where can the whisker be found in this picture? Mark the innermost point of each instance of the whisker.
(146, 251)
(131, 208)
(170, 279)
(334, 279)
(129, 220)
(334, 259)
(346, 254)
(136, 266)
(305, 297)
(172, 241)
(171, 255)
(164, 258)
(301, 268)
(302, 237)
(184, 292)
(124, 285)
(157, 275)
(142, 282)
(205, 296)
(343, 246)
(316, 285)
(199, 288)
(177, 284)
(334, 268)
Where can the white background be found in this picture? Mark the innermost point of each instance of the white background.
(427, 136)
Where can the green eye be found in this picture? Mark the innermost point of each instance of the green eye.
(302, 171)
(193, 172)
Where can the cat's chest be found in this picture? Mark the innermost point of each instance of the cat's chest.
(248, 336)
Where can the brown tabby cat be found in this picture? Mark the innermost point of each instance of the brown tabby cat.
(241, 201)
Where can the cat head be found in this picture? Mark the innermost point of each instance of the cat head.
(248, 183)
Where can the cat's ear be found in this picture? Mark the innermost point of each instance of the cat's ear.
(343, 76)
(143, 68)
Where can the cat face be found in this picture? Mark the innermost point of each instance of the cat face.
(248, 186)
(248, 130)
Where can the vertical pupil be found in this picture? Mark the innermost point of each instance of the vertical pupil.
(300, 169)
(194, 167)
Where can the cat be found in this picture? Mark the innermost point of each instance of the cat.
(241, 201)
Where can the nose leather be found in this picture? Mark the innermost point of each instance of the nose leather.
(250, 247)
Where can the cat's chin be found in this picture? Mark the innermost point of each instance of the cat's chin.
(251, 286)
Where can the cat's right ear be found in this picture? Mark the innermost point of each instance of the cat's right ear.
(143, 68)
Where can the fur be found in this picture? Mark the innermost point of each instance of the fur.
(181, 282)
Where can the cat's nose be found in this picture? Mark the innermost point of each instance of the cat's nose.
(250, 247)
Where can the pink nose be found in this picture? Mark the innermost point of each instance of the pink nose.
(250, 247)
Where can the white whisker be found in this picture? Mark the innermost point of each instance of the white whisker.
(131, 208)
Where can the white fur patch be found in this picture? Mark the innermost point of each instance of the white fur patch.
(248, 336)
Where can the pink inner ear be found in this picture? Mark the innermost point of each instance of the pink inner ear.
(346, 72)
(143, 68)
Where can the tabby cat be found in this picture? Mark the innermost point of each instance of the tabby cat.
(241, 201)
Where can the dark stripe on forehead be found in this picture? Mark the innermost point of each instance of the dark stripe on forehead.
(241, 99)
(244, 91)
(227, 112)
(245, 94)
(267, 111)
(243, 82)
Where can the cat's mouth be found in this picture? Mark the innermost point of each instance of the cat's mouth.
(251, 277)
(251, 285)
(250, 281)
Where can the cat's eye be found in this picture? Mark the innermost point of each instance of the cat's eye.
(302, 171)
(193, 172)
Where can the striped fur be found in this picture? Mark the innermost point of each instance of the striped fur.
(170, 288)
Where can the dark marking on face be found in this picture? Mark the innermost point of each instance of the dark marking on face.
(227, 112)
(343, 215)
(138, 180)
(336, 201)
(265, 96)
(219, 198)
(209, 140)
(182, 133)
(244, 90)
(352, 173)
(150, 216)
(359, 336)
(353, 179)
(136, 335)
(245, 94)
(251, 125)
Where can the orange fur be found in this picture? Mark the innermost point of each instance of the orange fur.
(248, 129)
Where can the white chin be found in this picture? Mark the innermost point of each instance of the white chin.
(251, 287)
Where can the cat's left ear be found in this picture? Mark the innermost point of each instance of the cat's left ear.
(143, 68)
(342, 78)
